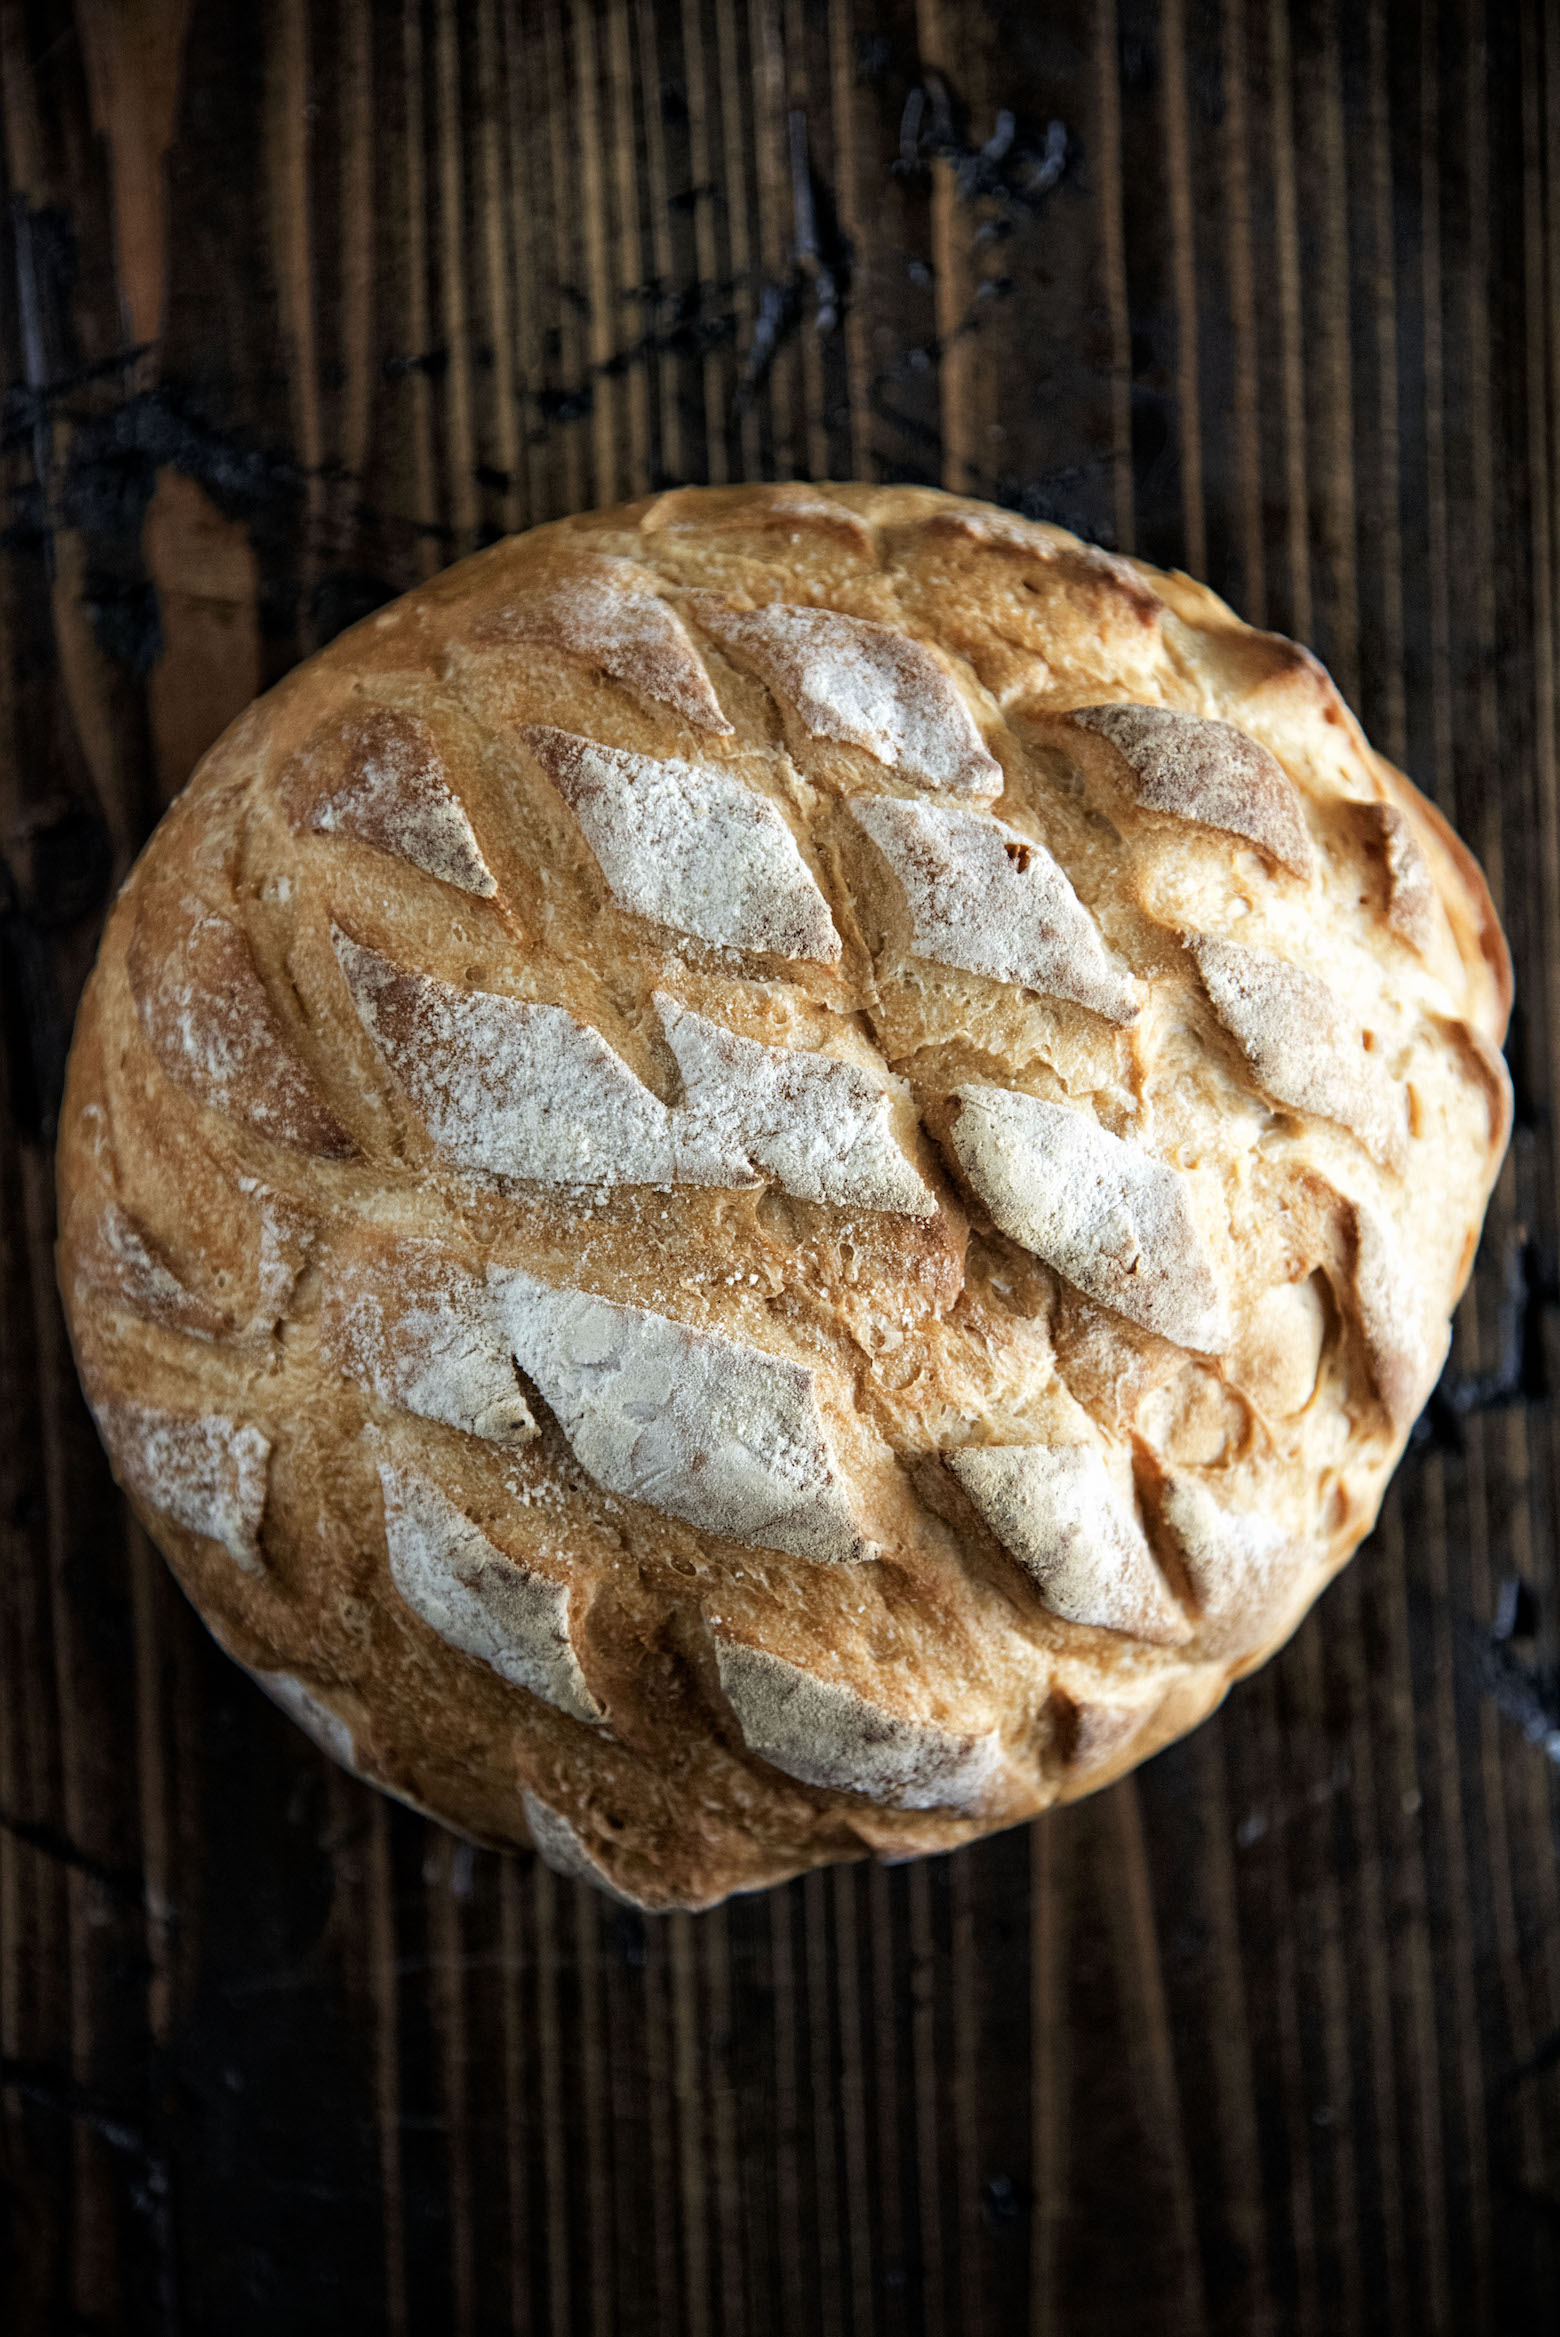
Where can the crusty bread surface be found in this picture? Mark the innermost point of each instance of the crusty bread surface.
(772, 1174)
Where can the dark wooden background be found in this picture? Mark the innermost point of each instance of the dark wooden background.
(299, 301)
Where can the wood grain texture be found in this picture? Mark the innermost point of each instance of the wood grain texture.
(298, 303)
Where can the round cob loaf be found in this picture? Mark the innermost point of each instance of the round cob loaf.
(772, 1174)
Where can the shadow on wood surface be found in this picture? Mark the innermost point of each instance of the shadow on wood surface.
(299, 302)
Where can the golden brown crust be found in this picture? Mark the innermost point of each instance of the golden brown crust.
(1463, 894)
(774, 1173)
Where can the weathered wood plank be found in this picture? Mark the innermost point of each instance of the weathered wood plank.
(298, 303)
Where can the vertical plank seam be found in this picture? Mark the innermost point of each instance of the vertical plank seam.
(1388, 466)
(1183, 247)
(289, 141)
(1243, 307)
(1114, 254)
(1139, 1949)
(928, 2124)
(1291, 364)
(387, 2079)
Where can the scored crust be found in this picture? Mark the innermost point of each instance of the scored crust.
(772, 1174)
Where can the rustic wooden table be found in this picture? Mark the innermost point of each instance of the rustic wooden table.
(298, 302)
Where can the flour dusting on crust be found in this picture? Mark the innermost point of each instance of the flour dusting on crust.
(1240, 1567)
(989, 900)
(863, 684)
(420, 1332)
(1293, 1032)
(1056, 1508)
(607, 612)
(312, 1714)
(684, 843)
(204, 1471)
(213, 1029)
(1009, 531)
(790, 508)
(1116, 1222)
(824, 1734)
(117, 1262)
(1412, 907)
(479, 1599)
(393, 794)
(819, 1127)
(517, 1090)
(1101, 1730)
(560, 1845)
(728, 1437)
(1208, 771)
(1405, 1326)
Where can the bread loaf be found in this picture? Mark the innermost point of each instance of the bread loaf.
(772, 1174)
